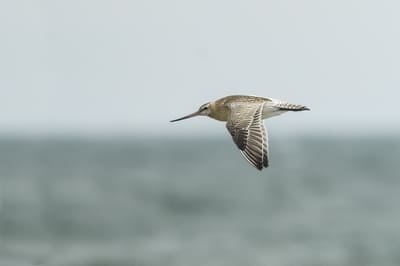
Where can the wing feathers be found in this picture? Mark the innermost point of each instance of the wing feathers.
(246, 127)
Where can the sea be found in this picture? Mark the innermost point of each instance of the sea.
(165, 201)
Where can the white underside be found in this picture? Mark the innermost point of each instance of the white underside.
(270, 109)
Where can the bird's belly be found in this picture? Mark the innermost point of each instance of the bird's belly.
(269, 111)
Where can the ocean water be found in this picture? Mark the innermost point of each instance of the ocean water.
(323, 201)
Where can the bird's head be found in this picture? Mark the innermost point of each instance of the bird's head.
(204, 110)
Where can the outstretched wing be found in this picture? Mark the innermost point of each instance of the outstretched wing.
(245, 124)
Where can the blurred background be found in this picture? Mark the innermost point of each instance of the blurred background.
(92, 173)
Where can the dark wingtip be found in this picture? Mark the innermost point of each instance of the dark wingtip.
(259, 166)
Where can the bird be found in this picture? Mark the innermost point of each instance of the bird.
(244, 115)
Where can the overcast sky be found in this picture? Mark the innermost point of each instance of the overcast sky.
(131, 66)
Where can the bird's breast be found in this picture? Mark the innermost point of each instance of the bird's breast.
(220, 114)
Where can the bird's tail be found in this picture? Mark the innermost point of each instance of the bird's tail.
(284, 106)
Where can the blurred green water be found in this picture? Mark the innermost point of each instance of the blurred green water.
(323, 201)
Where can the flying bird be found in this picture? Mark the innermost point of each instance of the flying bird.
(244, 117)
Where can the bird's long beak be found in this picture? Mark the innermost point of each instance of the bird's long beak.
(187, 116)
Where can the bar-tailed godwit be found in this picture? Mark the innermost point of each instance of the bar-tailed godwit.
(244, 120)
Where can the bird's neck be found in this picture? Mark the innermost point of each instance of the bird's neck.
(219, 112)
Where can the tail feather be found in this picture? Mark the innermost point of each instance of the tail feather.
(292, 107)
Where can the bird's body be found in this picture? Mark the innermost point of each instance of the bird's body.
(244, 120)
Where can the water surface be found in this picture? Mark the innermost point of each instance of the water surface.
(323, 201)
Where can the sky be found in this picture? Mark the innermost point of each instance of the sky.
(128, 67)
